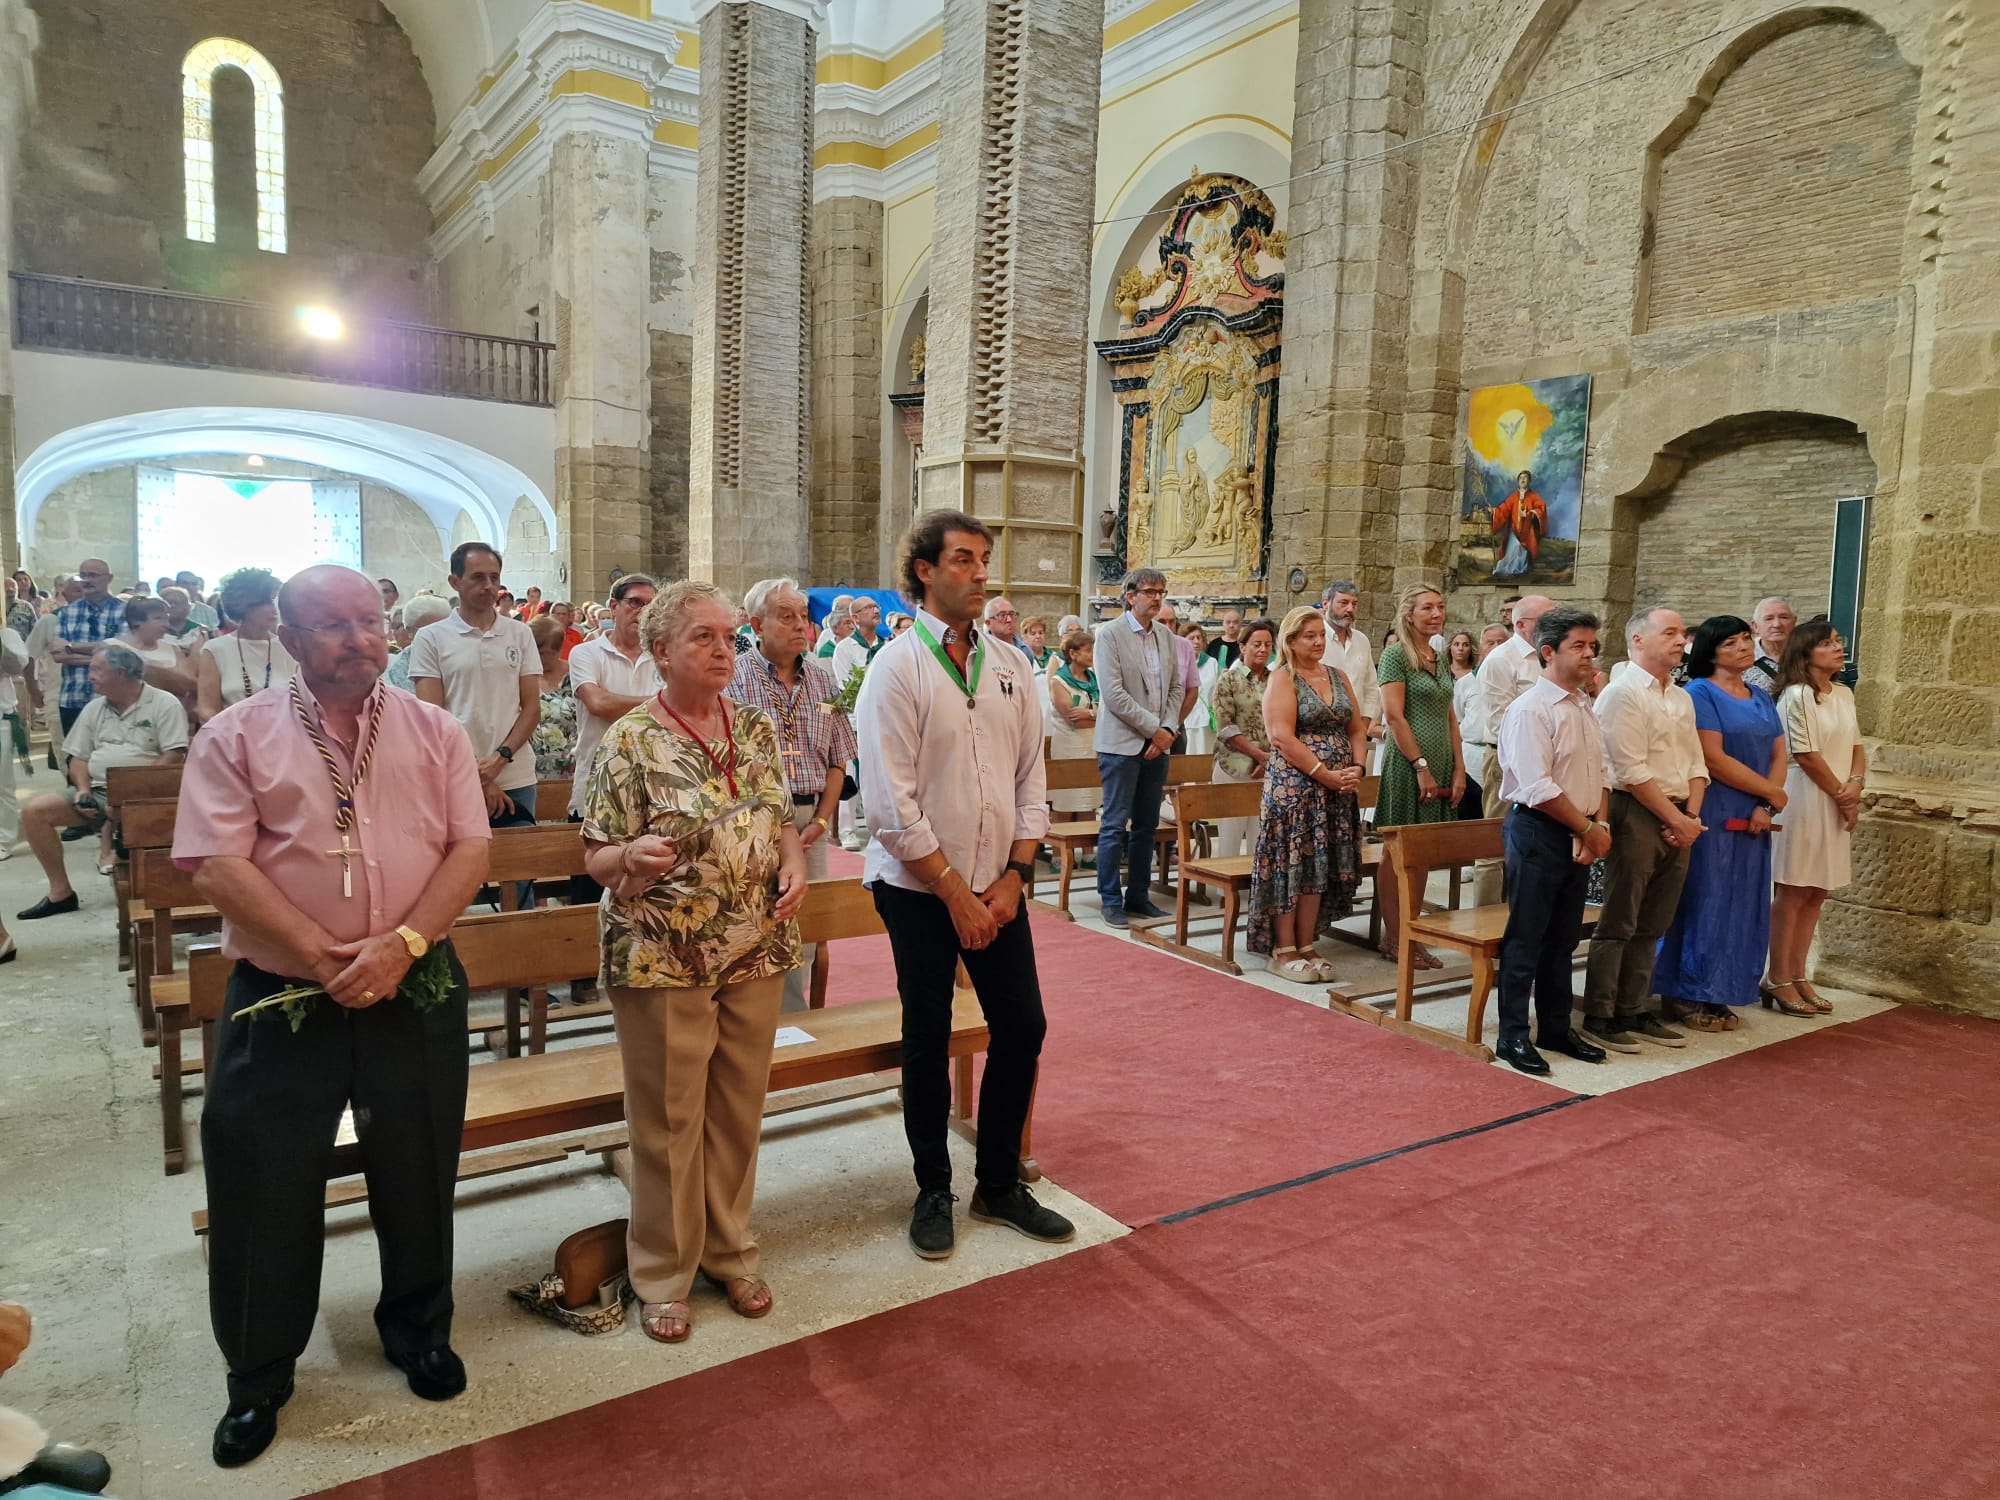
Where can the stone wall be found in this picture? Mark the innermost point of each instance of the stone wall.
(1750, 515)
(847, 391)
(93, 515)
(101, 191)
(400, 542)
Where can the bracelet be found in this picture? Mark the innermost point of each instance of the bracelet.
(1854, 781)
(824, 826)
(932, 885)
(1313, 774)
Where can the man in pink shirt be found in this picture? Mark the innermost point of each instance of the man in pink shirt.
(340, 829)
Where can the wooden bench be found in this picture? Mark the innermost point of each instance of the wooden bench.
(1071, 837)
(516, 1100)
(1411, 853)
(1201, 802)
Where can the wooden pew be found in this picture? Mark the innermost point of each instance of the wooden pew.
(547, 851)
(525, 1099)
(1070, 837)
(1411, 853)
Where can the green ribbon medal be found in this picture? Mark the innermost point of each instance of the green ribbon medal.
(968, 685)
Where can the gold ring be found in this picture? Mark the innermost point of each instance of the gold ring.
(367, 994)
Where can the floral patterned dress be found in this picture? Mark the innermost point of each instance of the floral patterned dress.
(1308, 837)
(554, 739)
(709, 922)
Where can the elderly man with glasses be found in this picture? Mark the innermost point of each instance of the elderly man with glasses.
(97, 615)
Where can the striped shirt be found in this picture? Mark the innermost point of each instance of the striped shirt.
(812, 738)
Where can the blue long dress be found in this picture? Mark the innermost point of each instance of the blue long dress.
(1714, 953)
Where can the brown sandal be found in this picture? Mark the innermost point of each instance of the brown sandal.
(665, 1314)
(744, 1293)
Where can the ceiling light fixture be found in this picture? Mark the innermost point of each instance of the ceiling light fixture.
(321, 322)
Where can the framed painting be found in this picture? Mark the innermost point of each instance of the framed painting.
(1522, 505)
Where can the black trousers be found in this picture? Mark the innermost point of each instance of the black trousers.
(1010, 993)
(267, 1139)
(1545, 891)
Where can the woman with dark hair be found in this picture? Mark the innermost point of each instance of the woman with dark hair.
(1713, 955)
(1810, 856)
(250, 657)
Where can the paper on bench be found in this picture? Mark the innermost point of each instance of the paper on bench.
(791, 1036)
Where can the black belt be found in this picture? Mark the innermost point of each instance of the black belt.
(805, 799)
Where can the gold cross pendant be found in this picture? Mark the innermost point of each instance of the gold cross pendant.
(345, 854)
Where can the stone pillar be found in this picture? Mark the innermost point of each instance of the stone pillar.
(1919, 921)
(1359, 89)
(750, 431)
(19, 36)
(847, 390)
(1008, 335)
(600, 278)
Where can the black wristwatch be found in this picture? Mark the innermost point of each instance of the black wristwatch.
(1023, 869)
(504, 753)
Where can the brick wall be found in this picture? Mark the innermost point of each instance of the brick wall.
(1750, 518)
(101, 187)
(847, 390)
(1789, 190)
(672, 389)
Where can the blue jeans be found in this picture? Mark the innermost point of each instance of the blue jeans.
(1545, 891)
(1133, 787)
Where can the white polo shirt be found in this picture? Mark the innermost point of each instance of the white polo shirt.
(597, 662)
(482, 671)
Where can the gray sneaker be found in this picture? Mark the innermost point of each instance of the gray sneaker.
(1651, 1028)
(1610, 1032)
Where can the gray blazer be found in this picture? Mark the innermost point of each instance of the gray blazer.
(1130, 709)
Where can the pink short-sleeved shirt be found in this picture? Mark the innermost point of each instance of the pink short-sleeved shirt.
(256, 789)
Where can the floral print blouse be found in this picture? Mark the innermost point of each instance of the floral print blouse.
(709, 922)
(1239, 709)
(554, 739)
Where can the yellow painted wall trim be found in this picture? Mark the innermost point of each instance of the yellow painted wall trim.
(640, 10)
(862, 154)
(599, 84)
(451, 209)
(690, 53)
(1114, 210)
(490, 168)
(1197, 61)
(674, 133)
(1145, 17)
(868, 72)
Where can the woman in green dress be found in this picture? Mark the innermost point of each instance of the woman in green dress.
(1422, 779)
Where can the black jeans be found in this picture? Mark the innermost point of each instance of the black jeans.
(267, 1140)
(1133, 787)
(1545, 891)
(1010, 993)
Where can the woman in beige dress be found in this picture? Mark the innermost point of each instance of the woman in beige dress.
(687, 825)
(1809, 853)
(1073, 717)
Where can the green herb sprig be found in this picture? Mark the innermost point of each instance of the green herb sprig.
(426, 985)
(843, 701)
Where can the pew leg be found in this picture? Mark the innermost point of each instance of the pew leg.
(538, 1019)
(1482, 986)
(1065, 869)
(172, 1128)
(1230, 898)
(513, 1023)
(822, 968)
(1457, 885)
(961, 1080)
(1406, 979)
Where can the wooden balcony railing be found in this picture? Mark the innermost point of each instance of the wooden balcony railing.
(179, 328)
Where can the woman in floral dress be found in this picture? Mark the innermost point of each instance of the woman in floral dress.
(1308, 856)
(1422, 780)
(688, 827)
(554, 739)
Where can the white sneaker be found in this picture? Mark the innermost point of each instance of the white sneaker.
(6, 851)
(853, 843)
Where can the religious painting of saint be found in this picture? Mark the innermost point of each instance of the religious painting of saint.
(1522, 506)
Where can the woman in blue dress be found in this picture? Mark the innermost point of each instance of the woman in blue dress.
(1713, 956)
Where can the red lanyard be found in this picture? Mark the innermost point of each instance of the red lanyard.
(728, 771)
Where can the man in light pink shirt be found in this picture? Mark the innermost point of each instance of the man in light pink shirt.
(340, 829)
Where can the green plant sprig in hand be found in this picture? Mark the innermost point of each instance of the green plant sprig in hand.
(843, 701)
(426, 985)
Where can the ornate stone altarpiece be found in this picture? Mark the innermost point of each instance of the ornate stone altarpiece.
(1196, 378)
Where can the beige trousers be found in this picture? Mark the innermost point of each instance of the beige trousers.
(697, 1063)
(1489, 875)
(795, 982)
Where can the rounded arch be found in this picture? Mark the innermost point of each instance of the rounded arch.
(198, 71)
(442, 476)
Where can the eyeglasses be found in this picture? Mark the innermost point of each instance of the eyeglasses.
(363, 629)
(93, 575)
(1152, 593)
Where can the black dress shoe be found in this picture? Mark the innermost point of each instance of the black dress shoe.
(246, 1431)
(65, 1467)
(436, 1374)
(47, 908)
(1572, 1044)
(1522, 1056)
(1144, 909)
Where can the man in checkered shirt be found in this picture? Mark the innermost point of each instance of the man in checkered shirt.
(97, 616)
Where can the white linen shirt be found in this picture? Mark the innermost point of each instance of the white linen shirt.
(1550, 746)
(940, 776)
(1510, 669)
(1356, 657)
(13, 663)
(1470, 707)
(1649, 734)
(598, 663)
(481, 671)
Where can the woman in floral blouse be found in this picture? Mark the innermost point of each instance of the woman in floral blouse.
(688, 826)
(1241, 744)
(554, 739)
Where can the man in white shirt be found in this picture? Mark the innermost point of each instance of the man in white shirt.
(957, 804)
(839, 619)
(1347, 648)
(1658, 778)
(126, 723)
(851, 654)
(1771, 626)
(1507, 671)
(611, 674)
(1473, 735)
(1552, 774)
(485, 671)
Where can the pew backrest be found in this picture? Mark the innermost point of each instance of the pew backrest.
(126, 783)
(1415, 849)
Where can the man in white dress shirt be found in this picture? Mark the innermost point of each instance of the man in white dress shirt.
(1552, 774)
(957, 803)
(1658, 779)
(1507, 671)
(1348, 648)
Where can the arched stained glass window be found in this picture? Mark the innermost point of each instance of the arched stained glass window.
(198, 136)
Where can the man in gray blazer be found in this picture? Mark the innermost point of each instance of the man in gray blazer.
(1139, 691)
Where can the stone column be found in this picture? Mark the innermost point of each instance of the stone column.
(1919, 921)
(1359, 90)
(19, 36)
(750, 431)
(599, 271)
(847, 390)
(1008, 336)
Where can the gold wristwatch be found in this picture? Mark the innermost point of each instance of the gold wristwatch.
(414, 940)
